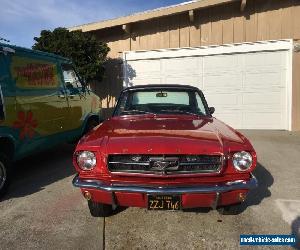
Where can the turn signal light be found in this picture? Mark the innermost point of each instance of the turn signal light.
(87, 195)
(242, 197)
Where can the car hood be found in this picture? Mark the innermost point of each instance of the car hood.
(165, 135)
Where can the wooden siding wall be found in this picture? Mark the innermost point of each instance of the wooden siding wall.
(261, 20)
(224, 24)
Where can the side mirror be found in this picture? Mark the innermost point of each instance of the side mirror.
(211, 110)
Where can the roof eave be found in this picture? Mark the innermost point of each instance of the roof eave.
(143, 16)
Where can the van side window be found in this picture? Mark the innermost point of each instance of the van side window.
(71, 79)
(1, 106)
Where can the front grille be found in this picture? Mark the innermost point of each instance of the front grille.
(165, 164)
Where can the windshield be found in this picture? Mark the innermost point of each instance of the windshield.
(165, 101)
(71, 79)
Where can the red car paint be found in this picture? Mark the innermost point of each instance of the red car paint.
(164, 134)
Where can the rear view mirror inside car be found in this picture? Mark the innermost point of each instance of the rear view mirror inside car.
(161, 94)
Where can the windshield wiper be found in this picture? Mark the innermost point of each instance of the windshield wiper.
(137, 111)
(181, 111)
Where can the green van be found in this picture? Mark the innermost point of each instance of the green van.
(43, 102)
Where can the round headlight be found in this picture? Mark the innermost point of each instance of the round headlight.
(242, 161)
(86, 160)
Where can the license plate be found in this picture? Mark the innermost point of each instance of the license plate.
(164, 202)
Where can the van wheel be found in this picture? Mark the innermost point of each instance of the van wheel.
(5, 173)
(91, 124)
(99, 209)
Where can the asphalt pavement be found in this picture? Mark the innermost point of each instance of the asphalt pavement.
(43, 211)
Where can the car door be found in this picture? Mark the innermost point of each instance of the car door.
(76, 97)
(41, 104)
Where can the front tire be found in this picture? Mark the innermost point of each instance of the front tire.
(99, 209)
(5, 174)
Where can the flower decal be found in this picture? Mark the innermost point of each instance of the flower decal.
(26, 124)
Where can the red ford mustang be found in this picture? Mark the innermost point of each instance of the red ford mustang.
(162, 149)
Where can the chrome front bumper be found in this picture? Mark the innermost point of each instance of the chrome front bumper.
(228, 186)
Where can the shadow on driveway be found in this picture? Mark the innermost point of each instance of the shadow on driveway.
(34, 173)
(296, 232)
(265, 180)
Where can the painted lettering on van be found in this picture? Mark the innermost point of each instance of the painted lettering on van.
(31, 73)
(37, 74)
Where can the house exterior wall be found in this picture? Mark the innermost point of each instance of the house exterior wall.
(223, 24)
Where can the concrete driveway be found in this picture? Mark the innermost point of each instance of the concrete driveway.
(44, 211)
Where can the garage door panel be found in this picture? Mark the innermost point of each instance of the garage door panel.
(222, 63)
(185, 80)
(262, 70)
(143, 81)
(223, 82)
(145, 67)
(222, 99)
(272, 98)
(265, 59)
(182, 66)
(264, 80)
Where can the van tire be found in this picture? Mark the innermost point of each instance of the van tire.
(100, 209)
(5, 174)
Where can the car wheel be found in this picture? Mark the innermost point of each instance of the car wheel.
(4, 174)
(99, 209)
(231, 209)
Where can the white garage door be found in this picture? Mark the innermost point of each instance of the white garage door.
(248, 84)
